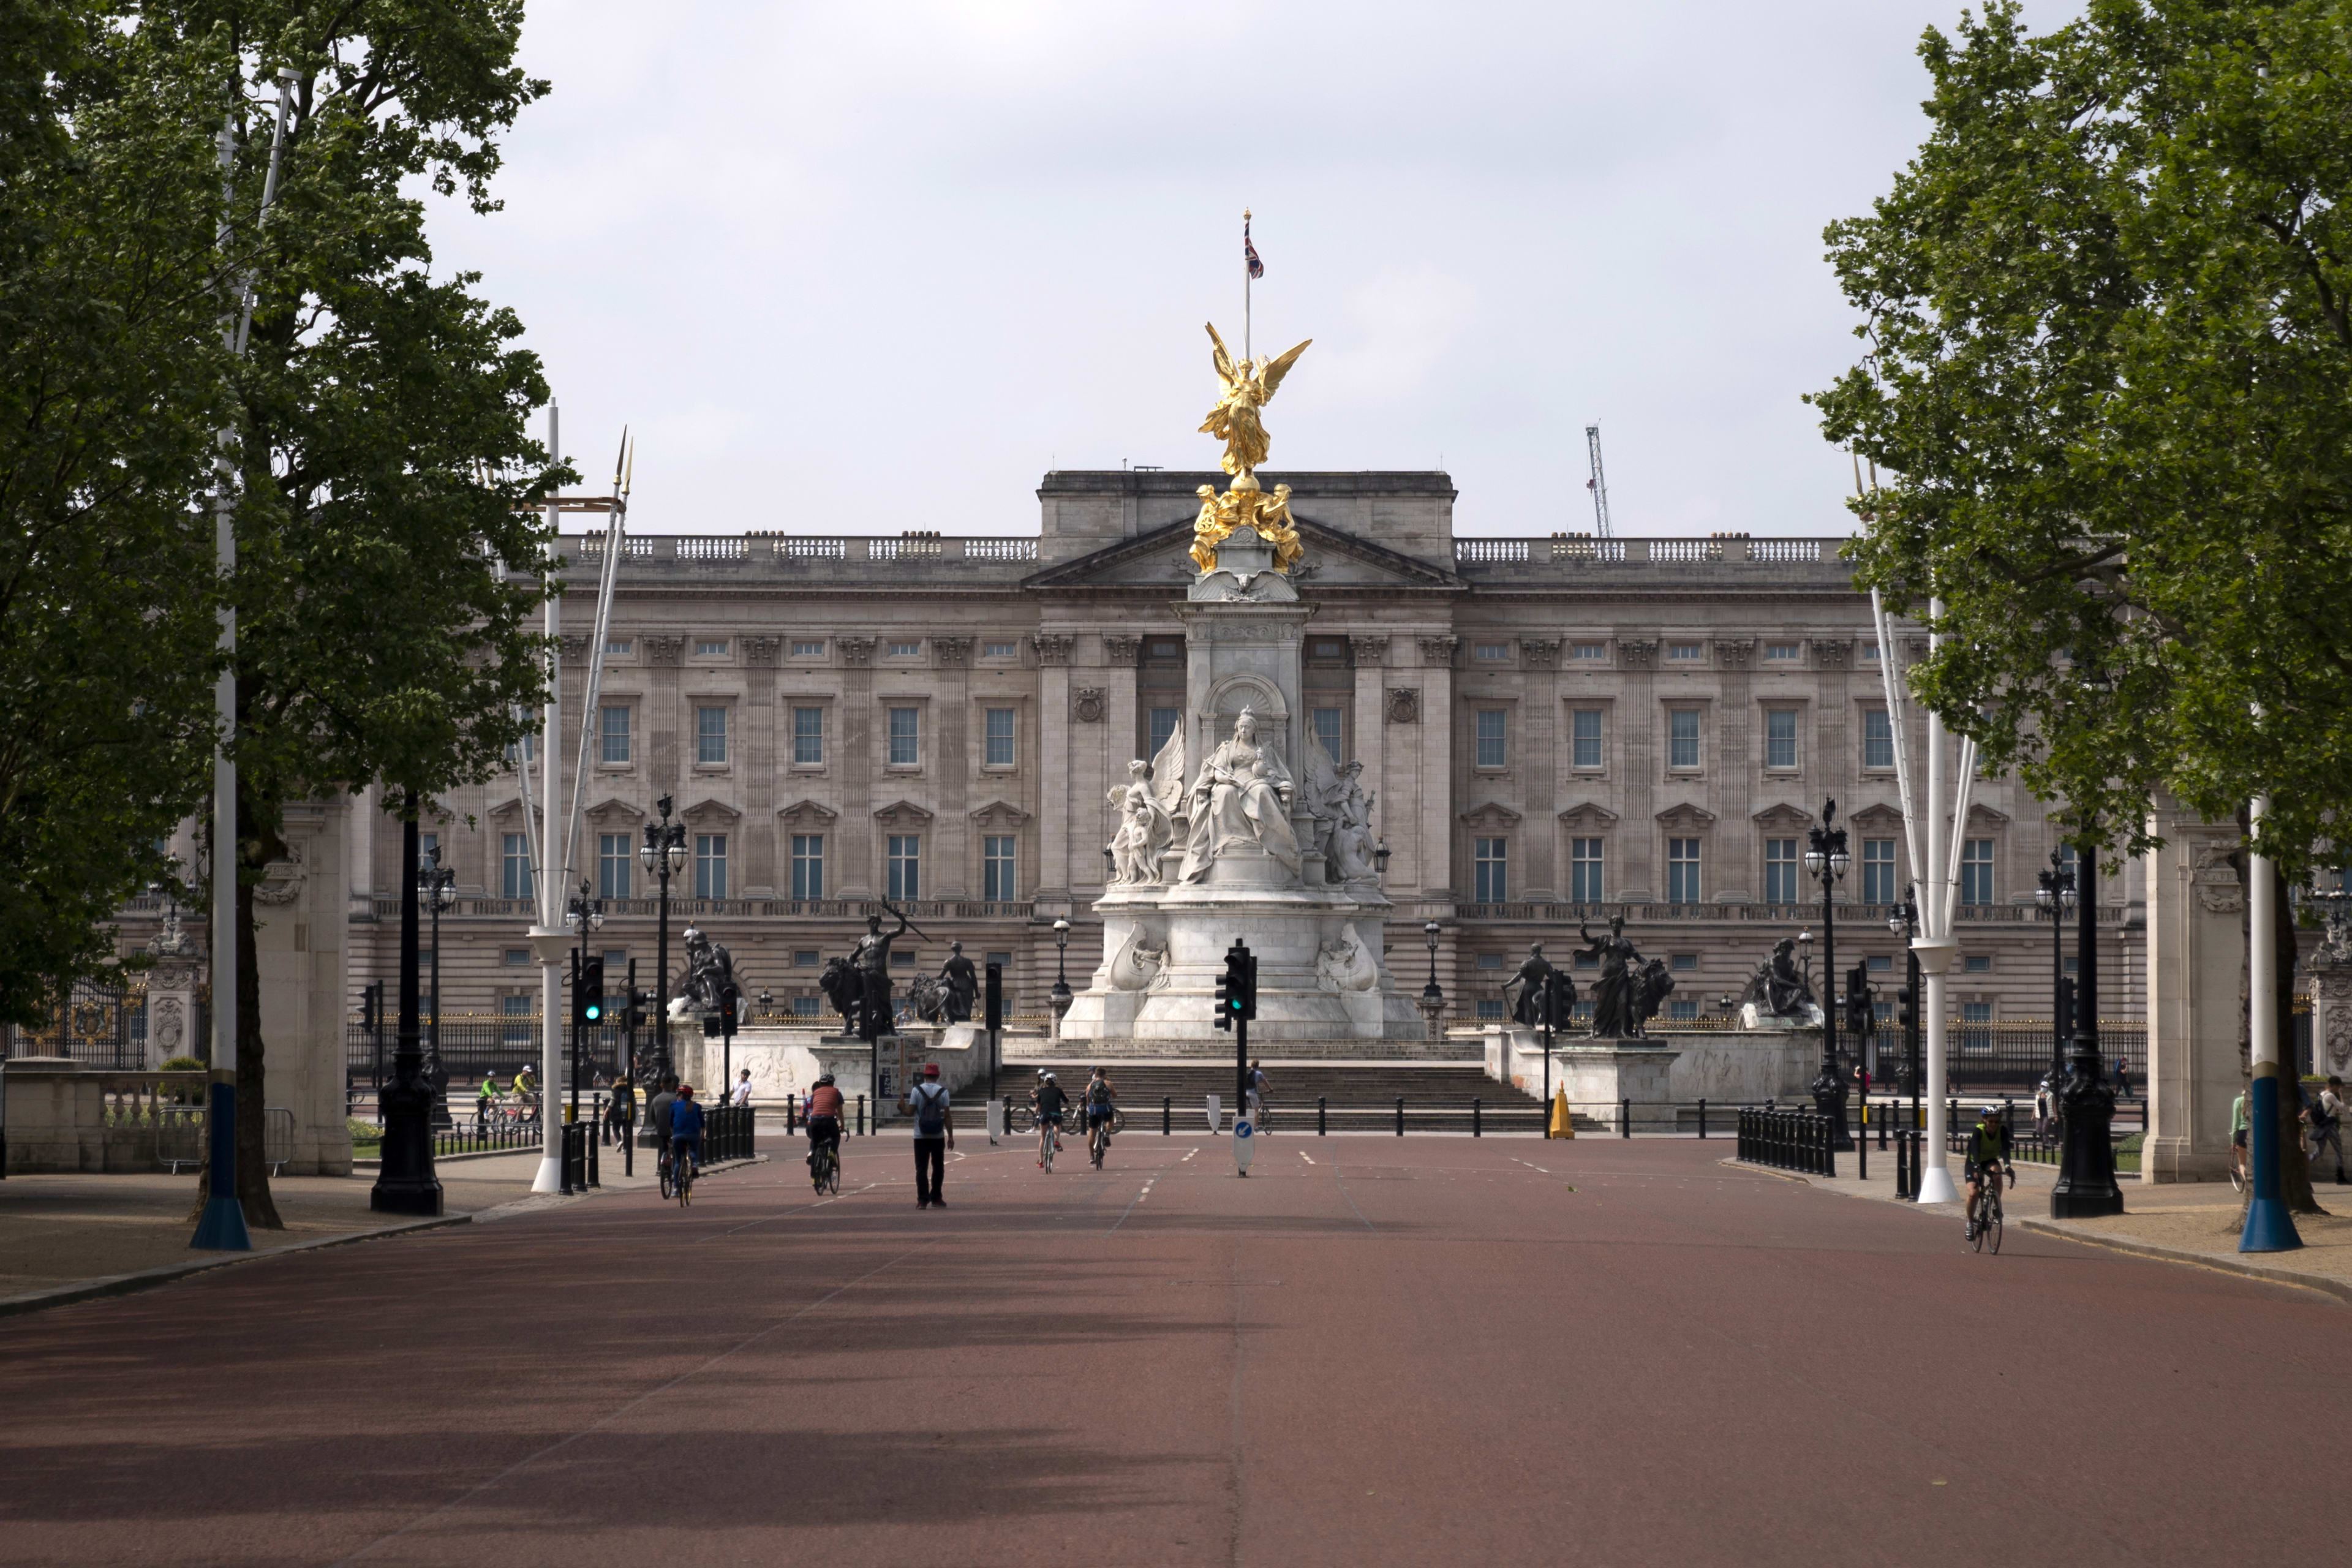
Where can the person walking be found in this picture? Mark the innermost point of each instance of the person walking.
(620, 1112)
(934, 1115)
(2041, 1107)
(742, 1095)
(2327, 1118)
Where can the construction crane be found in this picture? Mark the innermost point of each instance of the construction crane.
(1598, 484)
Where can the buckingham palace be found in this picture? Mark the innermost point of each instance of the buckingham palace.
(1552, 728)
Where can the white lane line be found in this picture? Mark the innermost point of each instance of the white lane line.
(1131, 1203)
(1306, 1156)
(1531, 1165)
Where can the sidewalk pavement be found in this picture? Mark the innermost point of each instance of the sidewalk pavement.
(64, 1237)
(2181, 1222)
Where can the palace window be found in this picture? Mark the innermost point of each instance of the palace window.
(710, 865)
(1493, 734)
(1976, 963)
(808, 736)
(1687, 652)
(1877, 739)
(808, 865)
(710, 649)
(1780, 870)
(999, 751)
(1000, 650)
(1976, 872)
(614, 734)
(807, 958)
(1589, 652)
(1584, 742)
(1783, 652)
(808, 1007)
(1328, 722)
(527, 748)
(1682, 738)
(906, 733)
(1586, 884)
(1682, 870)
(618, 647)
(517, 1009)
(1490, 652)
(615, 856)
(1489, 867)
(906, 864)
(904, 650)
(1683, 962)
(514, 867)
(1681, 1011)
(710, 735)
(1878, 872)
(1163, 725)
(996, 859)
(802, 649)
(1781, 738)
(516, 957)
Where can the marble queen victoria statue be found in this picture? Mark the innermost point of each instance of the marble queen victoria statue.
(1241, 796)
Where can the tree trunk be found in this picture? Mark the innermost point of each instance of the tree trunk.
(252, 1129)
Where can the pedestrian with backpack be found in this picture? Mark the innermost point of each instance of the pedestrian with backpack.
(934, 1115)
(2327, 1118)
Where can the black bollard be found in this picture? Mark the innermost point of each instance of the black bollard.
(1319, 1116)
(1400, 1116)
(1166, 1115)
(1625, 1119)
(1475, 1106)
(1701, 1117)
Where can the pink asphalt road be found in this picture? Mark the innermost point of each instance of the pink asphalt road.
(1370, 1351)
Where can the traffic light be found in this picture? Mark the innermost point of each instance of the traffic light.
(370, 1008)
(994, 1019)
(1859, 1021)
(730, 1005)
(1249, 984)
(1906, 1014)
(588, 993)
(1228, 1001)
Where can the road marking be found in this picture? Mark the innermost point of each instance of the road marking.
(1531, 1165)
(1130, 1204)
(1306, 1156)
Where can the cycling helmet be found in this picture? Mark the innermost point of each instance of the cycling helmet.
(1989, 1109)
(825, 1081)
(1049, 1078)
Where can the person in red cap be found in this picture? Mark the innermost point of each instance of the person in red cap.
(934, 1116)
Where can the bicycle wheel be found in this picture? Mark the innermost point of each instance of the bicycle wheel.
(2237, 1178)
(666, 1184)
(1046, 1142)
(1995, 1228)
(833, 1175)
(1976, 1233)
(685, 1183)
(1098, 1142)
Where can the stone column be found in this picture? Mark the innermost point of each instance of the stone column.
(2196, 957)
(1054, 879)
(665, 656)
(858, 869)
(1437, 765)
(1737, 766)
(1637, 876)
(1370, 653)
(1541, 765)
(956, 761)
(759, 762)
(2331, 1018)
(171, 1005)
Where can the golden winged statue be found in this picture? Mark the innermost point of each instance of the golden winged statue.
(1249, 387)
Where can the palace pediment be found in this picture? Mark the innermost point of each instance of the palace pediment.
(1159, 559)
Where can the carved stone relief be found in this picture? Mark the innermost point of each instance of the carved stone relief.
(2216, 880)
(1734, 651)
(1438, 652)
(1637, 653)
(1539, 653)
(665, 651)
(1086, 703)
(1052, 648)
(952, 650)
(760, 652)
(1369, 650)
(1405, 705)
(282, 880)
(856, 652)
(1831, 651)
(1123, 650)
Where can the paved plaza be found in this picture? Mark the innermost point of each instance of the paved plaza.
(1373, 1350)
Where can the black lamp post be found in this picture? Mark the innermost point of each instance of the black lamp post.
(1433, 995)
(437, 890)
(404, 1181)
(1825, 862)
(1061, 973)
(2086, 1163)
(663, 854)
(585, 916)
(1905, 923)
(2055, 896)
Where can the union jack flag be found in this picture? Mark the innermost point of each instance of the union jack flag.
(1249, 253)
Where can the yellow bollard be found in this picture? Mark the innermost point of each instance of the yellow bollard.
(1562, 1124)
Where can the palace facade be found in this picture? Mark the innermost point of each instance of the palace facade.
(1557, 728)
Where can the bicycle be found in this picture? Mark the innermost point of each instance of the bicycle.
(662, 1163)
(1988, 1220)
(684, 1180)
(1048, 1140)
(824, 1167)
(1098, 1138)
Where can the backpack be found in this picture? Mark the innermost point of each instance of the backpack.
(930, 1111)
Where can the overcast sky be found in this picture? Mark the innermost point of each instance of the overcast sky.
(860, 268)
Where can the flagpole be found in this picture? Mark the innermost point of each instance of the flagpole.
(1246, 285)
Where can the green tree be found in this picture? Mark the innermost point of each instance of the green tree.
(388, 560)
(111, 383)
(2108, 356)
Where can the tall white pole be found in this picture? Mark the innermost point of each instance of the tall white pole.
(549, 938)
(1935, 947)
(2270, 1115)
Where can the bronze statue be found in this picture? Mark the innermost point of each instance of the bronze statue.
(1613, 996)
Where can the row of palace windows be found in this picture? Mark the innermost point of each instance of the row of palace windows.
(713, 725)
(814, 648)
(1588, 738)
(1588, 881)
(616, 866)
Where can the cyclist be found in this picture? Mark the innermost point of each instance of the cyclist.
(1254, 1094)
(686, 1132)
(657, 1117)
(824, 1107)
(1987, 1151)
(1100, 1097)
(2238, 1134)
(485, 1100)
(1049, 1100)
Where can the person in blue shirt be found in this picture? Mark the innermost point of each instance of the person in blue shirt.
(686, 1126)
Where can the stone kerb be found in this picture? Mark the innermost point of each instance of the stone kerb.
(1728, 1067)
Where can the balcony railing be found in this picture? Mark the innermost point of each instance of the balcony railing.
(1585, 550)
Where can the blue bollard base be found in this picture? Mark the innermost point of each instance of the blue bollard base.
(221, 1228)
(2269, 1228)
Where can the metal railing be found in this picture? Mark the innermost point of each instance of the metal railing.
(180, 1136)
(1582, 548)
(1801, 1140)
(97, 1025)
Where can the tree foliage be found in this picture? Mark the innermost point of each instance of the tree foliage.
(2109, 376)
(111, 383)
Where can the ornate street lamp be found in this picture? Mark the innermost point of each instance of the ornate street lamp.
(1380, 858)
(2056, 898)
(1903, 922)
(2086, 1185)
(663, 855)
(437, 890)
(405, 1181)
(1825, 862)
(1433, 995)
(585, 917)
(1061, 994)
